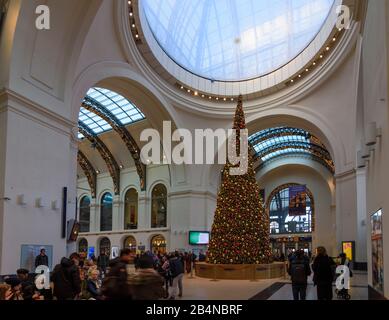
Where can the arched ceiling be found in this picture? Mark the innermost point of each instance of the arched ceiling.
(273, 143)
(103, 110)
(119, 109)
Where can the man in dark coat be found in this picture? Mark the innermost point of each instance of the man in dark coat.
(176, 265)
(146, 283)
(324, 271)
(115, 285)
(42, 259)
(66, 279)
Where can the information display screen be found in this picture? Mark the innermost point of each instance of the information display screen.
(198, 237)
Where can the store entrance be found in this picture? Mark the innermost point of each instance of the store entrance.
(285, 246)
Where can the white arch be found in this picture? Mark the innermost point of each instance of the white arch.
(124, 79)
(103, 192)
(298, 161)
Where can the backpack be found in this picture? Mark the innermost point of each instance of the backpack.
(298, 272)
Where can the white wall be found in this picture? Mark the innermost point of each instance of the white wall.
(375, 101)
(37, 157)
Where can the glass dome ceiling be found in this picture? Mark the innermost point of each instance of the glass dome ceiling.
(234, 40)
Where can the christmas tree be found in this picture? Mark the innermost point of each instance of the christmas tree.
(240, 230)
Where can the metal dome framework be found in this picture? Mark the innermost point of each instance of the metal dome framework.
(274, 143)
(103, 110)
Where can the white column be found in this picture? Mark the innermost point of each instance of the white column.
(143, 212)
(116, 208)
(95, 215)
(346, 209)
(361, 244)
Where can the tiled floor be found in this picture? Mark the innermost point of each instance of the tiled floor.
(204, 289)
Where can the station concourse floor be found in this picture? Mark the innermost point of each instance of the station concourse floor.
(275, 289)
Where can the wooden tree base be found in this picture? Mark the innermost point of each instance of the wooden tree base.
(240, 271)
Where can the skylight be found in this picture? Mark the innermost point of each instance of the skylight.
(281, 141)
(120, 107)
(234, 40)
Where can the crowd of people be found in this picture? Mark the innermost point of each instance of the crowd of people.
(151, 277)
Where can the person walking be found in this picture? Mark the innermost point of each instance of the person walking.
(115, 285)
(299, 270)
(323, 268)
(176, 266)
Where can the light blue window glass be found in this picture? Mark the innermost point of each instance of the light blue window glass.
(232, 40)
(120, 107)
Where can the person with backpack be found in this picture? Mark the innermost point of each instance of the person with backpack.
(299, 270)
(176, 267)
(324, 272)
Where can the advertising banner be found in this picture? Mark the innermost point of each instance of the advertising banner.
(297, 200)
(377, 252)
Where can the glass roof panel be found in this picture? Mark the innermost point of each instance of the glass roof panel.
(233, 40)
(119, 106)
(280, 141)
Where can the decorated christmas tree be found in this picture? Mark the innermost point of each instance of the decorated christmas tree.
(240, 230)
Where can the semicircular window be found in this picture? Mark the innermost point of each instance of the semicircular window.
(234, 40)
(102, 107)
(273, 143)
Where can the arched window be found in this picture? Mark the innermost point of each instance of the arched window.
(159, 206)
(281, 222)
(158, 244)
(84, 214)
(131, 209)
(83, 245)
(130, 243)
(105, 246)
(106, 212)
